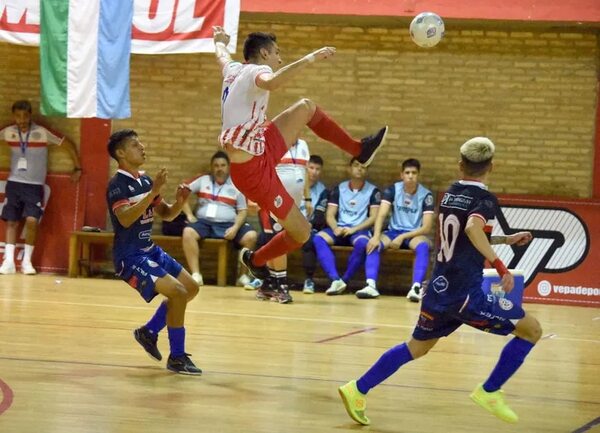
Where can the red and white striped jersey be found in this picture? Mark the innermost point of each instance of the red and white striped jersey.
(243, 107)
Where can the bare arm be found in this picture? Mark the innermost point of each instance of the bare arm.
(474, 231)
(169, 212)
(384, 209)
(288, 72)
(221, 39)
(129, 214)
(520, 238)
(187, 210)
(331, 217)
(425, 228)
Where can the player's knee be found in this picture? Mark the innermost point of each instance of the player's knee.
(179, 293)
(535, 331)
(192, 290)
(189, 233)
(249, 239)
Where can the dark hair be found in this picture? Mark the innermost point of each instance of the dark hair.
(117, 141)
(255, 41)
(354, 158)
(219, 154)
(316, 159)
(22, 105)
(411, 162)
(475, 169)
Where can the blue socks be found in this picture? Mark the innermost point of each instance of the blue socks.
(421, 262)
(372, 264)
(177, 341)
(511, 358)
(326, 258)
(159, 320)
(385, 366)
(357, 257)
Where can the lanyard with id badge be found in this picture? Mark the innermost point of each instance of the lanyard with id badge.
(211, 209)
(22, 162)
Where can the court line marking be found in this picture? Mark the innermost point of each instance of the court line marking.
(272, 376)
(588, 426)
(465, 330)
(7, 396)
(348, 334)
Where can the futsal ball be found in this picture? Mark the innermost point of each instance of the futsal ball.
(427, 29)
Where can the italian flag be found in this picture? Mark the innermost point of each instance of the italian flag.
(85, 47)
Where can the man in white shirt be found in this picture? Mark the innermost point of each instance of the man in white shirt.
(256, 145)
(28, 144)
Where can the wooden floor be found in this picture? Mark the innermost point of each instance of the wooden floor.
(69, 363)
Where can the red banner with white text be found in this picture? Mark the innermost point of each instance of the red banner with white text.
(64, 208)
(159, 26)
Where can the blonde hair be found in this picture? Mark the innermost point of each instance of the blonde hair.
(478, 149)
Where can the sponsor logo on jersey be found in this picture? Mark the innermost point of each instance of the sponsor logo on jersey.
(278, 201)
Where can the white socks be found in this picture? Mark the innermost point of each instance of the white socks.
(9, 253)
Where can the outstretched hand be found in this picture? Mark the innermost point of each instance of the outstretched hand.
(159, 180)
(321, 54)
(520, 238)
(219, 35)
(183, 192)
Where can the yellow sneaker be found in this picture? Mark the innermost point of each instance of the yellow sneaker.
(355, 402)
(494, 403)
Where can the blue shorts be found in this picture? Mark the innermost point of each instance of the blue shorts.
(393, 234)
(142, 271)
(22, 200)
(346, 241)
(212, 230)
(485, 312)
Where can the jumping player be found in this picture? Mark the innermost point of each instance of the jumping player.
(255, 145)
(133, 198)
(454, 297)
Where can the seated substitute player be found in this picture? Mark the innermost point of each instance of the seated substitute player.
(255, 145)
(132, 200)
(291, 171)
(412, 220)
(351, 210)
(220, 214)
(313, 208)
(454, 296)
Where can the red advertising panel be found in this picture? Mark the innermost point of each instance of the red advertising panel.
(63, 213)
(561, 263)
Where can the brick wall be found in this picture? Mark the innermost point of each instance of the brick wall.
(534, 93)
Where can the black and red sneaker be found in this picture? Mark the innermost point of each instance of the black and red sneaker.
(370, 146)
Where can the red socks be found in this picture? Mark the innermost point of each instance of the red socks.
(280, 245)
(327, 128)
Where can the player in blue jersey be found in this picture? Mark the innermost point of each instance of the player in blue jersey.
(412, 220)
(454, 297)
(133, 198)
(351, 211)
(314, 209)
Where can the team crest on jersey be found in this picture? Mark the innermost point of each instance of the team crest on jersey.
(278, 201)
(429, 200)
(440, 284)
(505, 304)
(13, 136)
(36, 136)
(152, 264)
(352, 203)
(132, 189)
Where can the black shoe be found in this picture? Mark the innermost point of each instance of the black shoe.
(260, 272)
(183, 365)
(370, 146)
(267, 291)
(148, 341)
(283, 295)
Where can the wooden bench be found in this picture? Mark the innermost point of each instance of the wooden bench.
(395, 272)
(80, 258)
